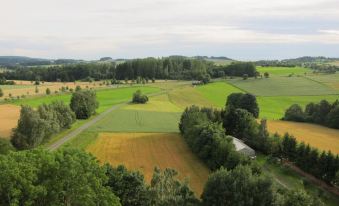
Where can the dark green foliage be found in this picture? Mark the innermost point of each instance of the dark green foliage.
(129, 186)
(240, 123)
(299, 198)
(322, 113)
(294, 113)
(243, 101)
(139, 98)
(203, 132)
(167, 190)
(84, 104)
(3, 81)
(36, 126)
(240, 186)
(1, 93)
(266, 75)
(48, 91)
(66, 177)
(5, 146)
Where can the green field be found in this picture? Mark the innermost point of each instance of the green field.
(106, 97)
(282, 86)
(15, 86)
(271, 107)
(284, 71)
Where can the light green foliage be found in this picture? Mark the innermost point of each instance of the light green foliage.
(67, 177)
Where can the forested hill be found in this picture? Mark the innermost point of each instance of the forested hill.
(173, 67)
(22, 61)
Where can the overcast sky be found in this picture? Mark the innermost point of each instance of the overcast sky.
(241, 29)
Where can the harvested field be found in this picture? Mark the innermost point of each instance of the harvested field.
(144, 151)
(317, 136)
(9, 115)
(28, 89)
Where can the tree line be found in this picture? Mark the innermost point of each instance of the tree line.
(323, 113)
(37, 126)
(235, 180)
(238, 119)
(173, 67)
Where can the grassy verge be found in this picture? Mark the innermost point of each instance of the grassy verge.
(289, 179)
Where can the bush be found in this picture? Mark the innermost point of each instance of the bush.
(294, 113)
(84, 104)
(48, 91)
(1, 93)
(5, 146)
(139, 98)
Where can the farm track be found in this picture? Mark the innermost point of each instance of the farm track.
(77, 131)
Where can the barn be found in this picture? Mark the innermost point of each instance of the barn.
(241, 147)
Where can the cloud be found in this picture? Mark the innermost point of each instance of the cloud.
(88, 29)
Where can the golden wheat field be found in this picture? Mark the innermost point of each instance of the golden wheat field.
(27, 88)
(9, 115)
(144, 151)
(317, 136)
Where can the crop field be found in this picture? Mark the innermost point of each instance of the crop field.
(9, 115)
(126, 120)
(317, 136)
(27, 88)
(331, 80)
(282, 86)
(284, 71)
(186, 96)
(144, 151)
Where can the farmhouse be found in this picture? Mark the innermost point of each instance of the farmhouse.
(243, 148)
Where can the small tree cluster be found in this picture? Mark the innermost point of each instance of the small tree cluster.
(243, 101)
(139, 98)
(322, 113)
(37, 126)
(206, 137)
(84, 103)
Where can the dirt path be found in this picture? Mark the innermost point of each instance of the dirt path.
(77, 131)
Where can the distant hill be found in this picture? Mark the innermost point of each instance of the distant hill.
(21, 60)
(309, 59)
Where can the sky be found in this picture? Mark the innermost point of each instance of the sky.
(239, 29)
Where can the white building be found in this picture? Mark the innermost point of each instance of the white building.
(241, 147)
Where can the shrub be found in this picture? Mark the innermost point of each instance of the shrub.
(139, 98)
(48, 91)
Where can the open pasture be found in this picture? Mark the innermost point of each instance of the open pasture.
(284, 71)
(144, 151)
(331, 80)
(282, 86)
(317, 136)
(9, 115)
(217, 92)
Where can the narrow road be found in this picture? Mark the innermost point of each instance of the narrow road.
(80, 129)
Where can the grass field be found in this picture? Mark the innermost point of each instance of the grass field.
(275, 107)
(317, 136)
(144, 151)
(106, 97)
(159, 103)
(284, 71)
(271, 107)
(282, 86)
(217, 92)
(331, 80)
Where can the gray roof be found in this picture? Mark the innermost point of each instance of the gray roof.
(241, 147)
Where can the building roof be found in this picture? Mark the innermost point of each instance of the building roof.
(241, 147)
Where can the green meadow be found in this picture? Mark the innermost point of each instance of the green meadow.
(105, 97)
